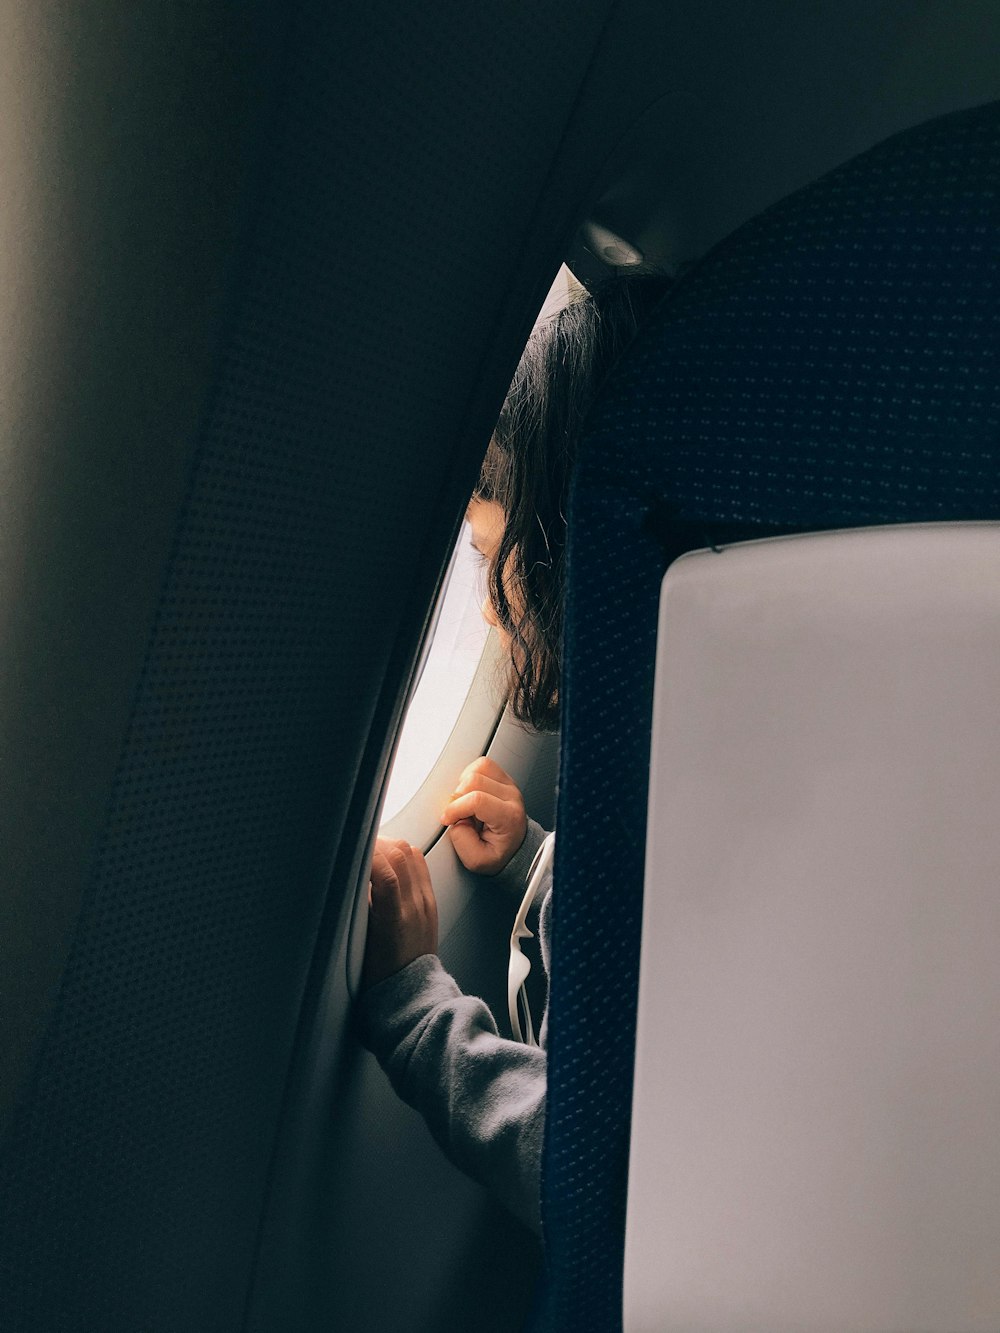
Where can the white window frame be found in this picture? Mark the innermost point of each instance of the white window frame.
(419, 821)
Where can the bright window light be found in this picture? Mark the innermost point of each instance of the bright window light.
(451, 662)
(456, 648)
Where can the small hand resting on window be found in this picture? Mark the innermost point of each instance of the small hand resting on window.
(402, 913)
(486, 818)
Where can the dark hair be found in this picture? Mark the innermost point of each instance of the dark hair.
(527, 470)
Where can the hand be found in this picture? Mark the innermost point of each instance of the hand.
(402, 912)
(486, 818)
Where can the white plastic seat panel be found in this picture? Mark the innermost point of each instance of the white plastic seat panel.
(816, 1120)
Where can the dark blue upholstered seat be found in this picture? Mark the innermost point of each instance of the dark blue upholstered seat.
(834, 363)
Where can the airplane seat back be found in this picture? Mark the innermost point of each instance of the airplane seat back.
(835, 363)
(817, 1084)
(250, 326)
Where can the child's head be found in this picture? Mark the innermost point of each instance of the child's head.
(518, 510)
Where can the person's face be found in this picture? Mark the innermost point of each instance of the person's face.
(486, 519)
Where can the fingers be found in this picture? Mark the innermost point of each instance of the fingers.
(399, 874)
(490, 810)
(486, 825)
(485, 767)
(402, 918)
(480, 782)
(471, 850)
(486, 818)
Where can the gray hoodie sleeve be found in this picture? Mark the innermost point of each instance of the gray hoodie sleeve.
(514, 876)
(483, 1097)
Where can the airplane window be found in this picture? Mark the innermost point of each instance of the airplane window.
(456, 648)
(453, 709)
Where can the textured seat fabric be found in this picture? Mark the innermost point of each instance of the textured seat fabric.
(834, 363)
(145, 1171)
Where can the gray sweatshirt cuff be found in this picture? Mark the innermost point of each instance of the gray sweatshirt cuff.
(388, 1011)
(514, 876)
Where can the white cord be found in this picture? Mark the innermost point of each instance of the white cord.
(519, 965)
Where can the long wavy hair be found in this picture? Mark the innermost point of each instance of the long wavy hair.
(527, 470)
